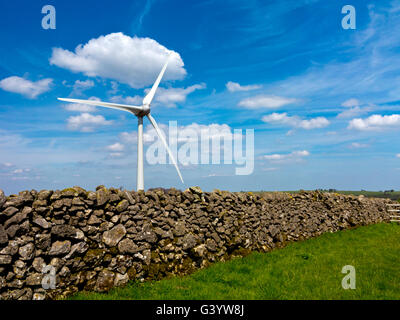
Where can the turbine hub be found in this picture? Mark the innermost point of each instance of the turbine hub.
(145, 110)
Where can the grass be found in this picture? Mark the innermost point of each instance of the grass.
(309, 269)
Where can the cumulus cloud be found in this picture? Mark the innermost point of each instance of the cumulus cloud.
(25, 87)
(375, 122)
(116, 56)
(265, 101)
(293, 156)
(398, 155)
(234, 86)
(171, 96)
(296, 122)
(86, 122)
(168, 97)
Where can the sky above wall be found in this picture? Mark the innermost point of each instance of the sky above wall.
(324, 102)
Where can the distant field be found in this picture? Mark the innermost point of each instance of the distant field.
(393, 195)
(309, 269)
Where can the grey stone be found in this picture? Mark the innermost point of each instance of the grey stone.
(17, 218)
(64, 231)
(121, 279)
(41, 222)
(105, 281)
(122, 206)
(59, 248)
(94, 220)
(38, 264)
(10, 211)
(188, 241)
(128, 246)
(78, 248)
(27, 252)
(112, 237)
(200, 250)
(11, 249)
(103, 196)
(3, 198)
(5, 259)
(3, 235)
(44, 195)
(34, 279)
(196, 190)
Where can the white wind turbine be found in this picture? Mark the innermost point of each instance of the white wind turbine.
(139, 112)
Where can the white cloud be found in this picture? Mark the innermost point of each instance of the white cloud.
(7, 164)
(357, 145)
(265, 101)
(18, 171)
(27, 88)
(351, 103)
(86, 122)
(375, 122)
(171, 96)
(80, 86)
(296, 122)
(116, 147)
(293, 156)
(78, 107)
(131, 60)
(114, 87)
(168, 97)
(398, 155)
(234, 86)
(353, 112)
(353, 109)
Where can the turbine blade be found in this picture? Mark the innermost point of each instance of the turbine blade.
(159, 133)
(124, 107)
(149, 98)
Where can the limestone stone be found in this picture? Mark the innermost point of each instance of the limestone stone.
(112, 237)
(59, 248)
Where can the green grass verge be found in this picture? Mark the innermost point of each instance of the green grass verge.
(309, 269)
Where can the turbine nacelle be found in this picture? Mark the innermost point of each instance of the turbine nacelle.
(140, 112)
(145, 111)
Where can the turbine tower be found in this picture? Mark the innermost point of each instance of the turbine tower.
(139, 112)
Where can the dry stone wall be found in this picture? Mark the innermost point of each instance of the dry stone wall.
(54, 243)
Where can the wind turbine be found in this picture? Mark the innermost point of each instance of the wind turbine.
(139, 112)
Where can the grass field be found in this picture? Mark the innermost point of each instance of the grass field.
(304, 270)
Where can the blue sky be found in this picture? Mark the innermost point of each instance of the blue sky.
(324, 101)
